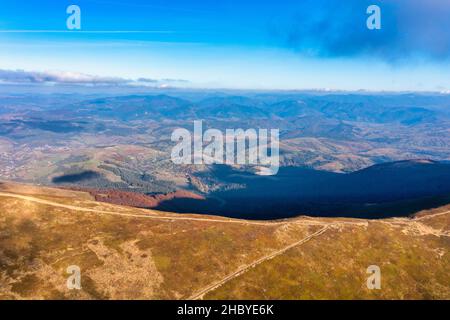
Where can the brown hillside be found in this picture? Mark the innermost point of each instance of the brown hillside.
(130, 253)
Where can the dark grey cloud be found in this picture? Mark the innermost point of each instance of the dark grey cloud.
(337, 28)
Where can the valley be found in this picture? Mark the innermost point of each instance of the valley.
(211, 159)
(332, 147)
(88, 181)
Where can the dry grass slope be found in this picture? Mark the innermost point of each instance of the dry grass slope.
(129, 253)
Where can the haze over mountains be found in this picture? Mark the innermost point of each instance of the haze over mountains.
(346, 197)
(341, 154)
(356, 171)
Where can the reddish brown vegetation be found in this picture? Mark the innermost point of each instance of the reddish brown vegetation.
(134, 199)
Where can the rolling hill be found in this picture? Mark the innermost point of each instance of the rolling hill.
(130, 253)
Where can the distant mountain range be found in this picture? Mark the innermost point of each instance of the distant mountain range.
(359, 108)
(88, 181)
(340, 154)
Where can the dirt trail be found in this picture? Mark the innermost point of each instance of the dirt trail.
(415, 225)
(149, 214)
(158, 215)
(430, 216)
(412, 222)
(243, 269)
(153, 214)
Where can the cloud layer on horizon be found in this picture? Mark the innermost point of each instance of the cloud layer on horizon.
(336, 28)
(74, 78)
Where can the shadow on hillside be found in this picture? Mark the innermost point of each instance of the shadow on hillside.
(389, 190)
(76, 177)
(271, 209)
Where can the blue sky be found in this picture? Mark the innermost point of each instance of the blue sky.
(283, 44)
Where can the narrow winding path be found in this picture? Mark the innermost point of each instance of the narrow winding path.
(243, 269)
(147, 213)
(152, 214)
